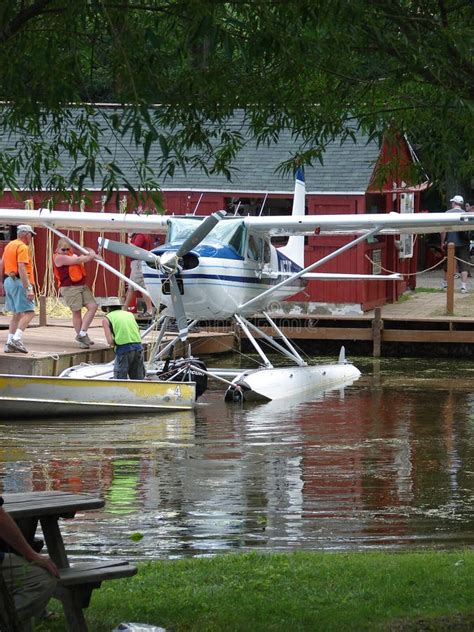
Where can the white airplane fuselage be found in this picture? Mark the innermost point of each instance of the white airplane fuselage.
(220, 281)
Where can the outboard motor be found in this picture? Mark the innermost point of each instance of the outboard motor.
(186, 370)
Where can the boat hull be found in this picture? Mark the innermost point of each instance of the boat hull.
(284, 382)
(35, 396)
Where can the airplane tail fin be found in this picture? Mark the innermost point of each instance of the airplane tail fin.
(294, 249)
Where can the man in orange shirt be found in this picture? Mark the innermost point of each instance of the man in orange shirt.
(17, 280)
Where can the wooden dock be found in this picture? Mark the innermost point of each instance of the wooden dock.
(419, 320)
(52, 347)
(375, 330)
(417, 325)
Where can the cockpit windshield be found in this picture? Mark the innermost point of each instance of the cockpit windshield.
(225, 233)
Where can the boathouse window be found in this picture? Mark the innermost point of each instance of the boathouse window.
(376, 261)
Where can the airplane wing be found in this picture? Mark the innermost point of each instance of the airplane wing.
(387, 223)
(109, 222)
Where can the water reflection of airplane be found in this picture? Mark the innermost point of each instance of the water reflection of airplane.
(265, 414)
(218, 268)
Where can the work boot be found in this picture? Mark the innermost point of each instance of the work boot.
(16, 346)
(84, 341)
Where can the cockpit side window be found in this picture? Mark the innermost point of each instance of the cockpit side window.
(255, 248)
(267, 253)
(238, 239)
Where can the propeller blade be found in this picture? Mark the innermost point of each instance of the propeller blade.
(178, 309)
(200, 233)
(128, 250)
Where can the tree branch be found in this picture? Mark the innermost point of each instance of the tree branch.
(23, 17)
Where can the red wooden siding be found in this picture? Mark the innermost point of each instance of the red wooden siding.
(368, 294)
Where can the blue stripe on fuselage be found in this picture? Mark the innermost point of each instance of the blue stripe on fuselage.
(225, 277)
(219, 254)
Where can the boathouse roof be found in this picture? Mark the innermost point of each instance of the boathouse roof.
(347, 167)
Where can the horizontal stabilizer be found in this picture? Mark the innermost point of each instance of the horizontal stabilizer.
(328, 276)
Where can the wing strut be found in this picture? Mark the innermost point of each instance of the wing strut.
(257, 347)
(314, 265)
(101, 262)
(290, 352)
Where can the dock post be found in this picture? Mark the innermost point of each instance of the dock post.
(451, 265)
(377, 326)
(42, 311)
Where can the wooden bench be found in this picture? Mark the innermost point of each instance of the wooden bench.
(74, 590)
(77, 582)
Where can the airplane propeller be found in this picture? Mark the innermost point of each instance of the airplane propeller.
(168, 262)
(134, 252)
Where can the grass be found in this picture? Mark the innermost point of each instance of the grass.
(297, 591)
(427, 290)
(407, 296)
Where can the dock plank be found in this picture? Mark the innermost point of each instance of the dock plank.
(53, 348)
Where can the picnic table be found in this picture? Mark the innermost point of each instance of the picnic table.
(77, 581)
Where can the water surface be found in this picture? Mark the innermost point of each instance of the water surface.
(387, 462)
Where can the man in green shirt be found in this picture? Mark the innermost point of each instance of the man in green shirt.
(122, 332)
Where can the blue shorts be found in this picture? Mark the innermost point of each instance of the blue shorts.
(16, 300)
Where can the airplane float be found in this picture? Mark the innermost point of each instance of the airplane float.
(224, 267)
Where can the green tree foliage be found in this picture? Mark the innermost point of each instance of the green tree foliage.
(177, 69)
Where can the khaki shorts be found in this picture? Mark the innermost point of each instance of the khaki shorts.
(77, 296)
(136, 273)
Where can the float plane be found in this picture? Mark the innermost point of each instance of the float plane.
(222, 267)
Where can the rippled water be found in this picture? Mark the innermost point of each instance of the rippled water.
(386, 462)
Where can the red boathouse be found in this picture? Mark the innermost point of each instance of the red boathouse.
(348, 181)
